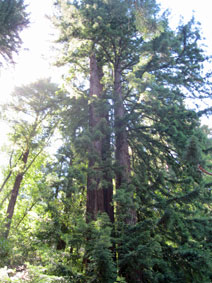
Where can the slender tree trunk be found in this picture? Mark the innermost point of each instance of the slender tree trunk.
(95, 196)
(9, 174)
(5, 181)
(14, 193)
(121, 142)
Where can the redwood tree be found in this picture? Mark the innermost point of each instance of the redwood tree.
(146, 72)
(95, 195)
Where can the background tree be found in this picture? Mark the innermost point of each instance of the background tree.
(33, 124)
(13, 19)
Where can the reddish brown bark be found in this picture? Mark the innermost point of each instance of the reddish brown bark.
(204, 171)
(95, 196)
(122, 147)
(121, 141)
(14, 193)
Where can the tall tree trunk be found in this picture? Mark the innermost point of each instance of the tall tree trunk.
(14, 193)
(121, 142)
(107, 176)
(95, 196)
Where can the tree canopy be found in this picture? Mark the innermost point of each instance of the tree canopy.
(13, 19)
(127, 195)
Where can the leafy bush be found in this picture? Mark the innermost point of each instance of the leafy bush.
(4, 251)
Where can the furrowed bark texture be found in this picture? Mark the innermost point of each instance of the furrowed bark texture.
(122, 147)
(14, 194)
(95, 196)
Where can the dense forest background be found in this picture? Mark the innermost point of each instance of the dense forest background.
(125, 195)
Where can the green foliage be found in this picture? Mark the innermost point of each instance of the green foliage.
(37, 275)
(101, 267)
(160, 68)
(31, 274)
(5, 251)
(32, 116)
(146, 19)
(170, 241)
(13, 19)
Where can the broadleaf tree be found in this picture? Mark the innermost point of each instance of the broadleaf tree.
(33, 117)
